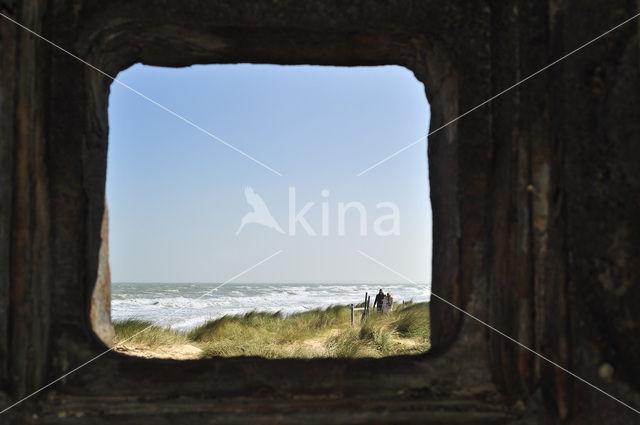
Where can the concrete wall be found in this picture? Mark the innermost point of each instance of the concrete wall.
(535, 199)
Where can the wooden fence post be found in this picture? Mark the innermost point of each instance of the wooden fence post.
(351, 314)
(364, 307)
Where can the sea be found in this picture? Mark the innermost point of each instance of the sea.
(184, 306)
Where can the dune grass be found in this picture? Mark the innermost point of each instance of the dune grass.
(315, 333)
(404, 331)
(153, 336)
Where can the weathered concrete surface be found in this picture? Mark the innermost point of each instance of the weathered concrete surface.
(100, 312)
(535, 201)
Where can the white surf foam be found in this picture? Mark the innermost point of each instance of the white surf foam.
(183, 306)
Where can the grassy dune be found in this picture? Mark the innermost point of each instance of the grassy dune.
(315, 333)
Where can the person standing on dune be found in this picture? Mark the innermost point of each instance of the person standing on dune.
(378, 301)
(387, 303)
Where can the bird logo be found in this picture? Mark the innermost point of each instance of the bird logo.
(260, 214)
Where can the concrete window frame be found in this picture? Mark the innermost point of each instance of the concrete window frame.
(436, 385)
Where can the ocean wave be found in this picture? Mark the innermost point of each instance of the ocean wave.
(193, 306)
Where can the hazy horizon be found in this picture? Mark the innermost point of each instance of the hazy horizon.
(266, 283)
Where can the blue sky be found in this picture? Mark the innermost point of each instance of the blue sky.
(176, 196)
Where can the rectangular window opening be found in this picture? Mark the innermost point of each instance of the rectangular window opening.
(256, 225)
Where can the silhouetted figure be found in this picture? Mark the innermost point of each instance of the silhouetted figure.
(377, 303)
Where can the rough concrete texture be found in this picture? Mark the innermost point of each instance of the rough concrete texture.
(535, 205)
(100, 312)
